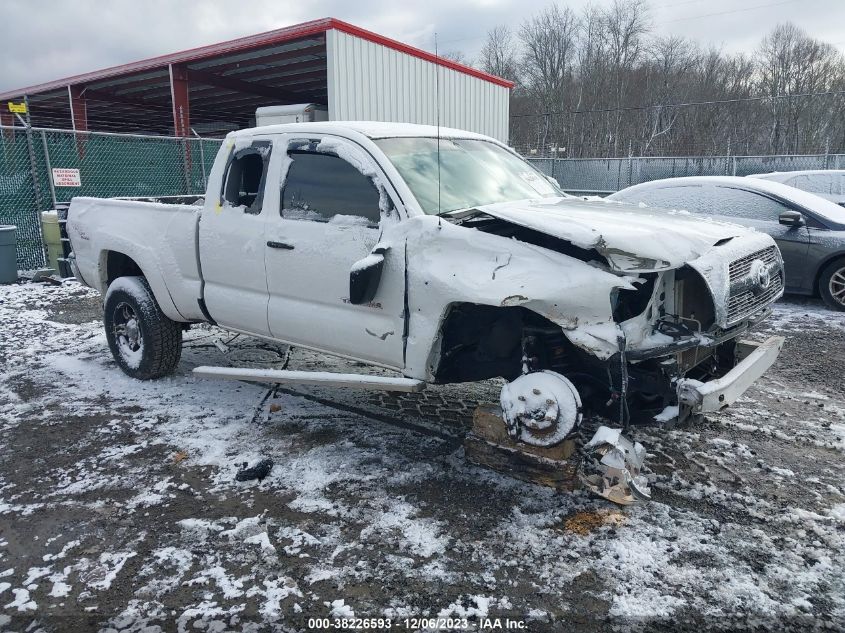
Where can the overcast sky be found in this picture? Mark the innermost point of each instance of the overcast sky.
(51, 39)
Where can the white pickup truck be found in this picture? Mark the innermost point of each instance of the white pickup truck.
(444, 256)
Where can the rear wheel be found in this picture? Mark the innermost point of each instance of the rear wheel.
(832, 285)
(144, 342)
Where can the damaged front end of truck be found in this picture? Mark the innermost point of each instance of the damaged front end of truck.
(666, 347)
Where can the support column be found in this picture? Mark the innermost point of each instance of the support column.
(78, 109)
(181, 115)
(179, 98)
(78, 117)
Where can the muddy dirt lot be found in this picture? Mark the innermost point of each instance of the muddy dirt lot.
(119, 508)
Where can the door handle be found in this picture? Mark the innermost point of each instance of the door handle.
(273, 244)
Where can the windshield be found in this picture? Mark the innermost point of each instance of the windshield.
(472, 173)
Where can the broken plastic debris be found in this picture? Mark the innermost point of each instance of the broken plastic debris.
(259, 471)
(621, 462)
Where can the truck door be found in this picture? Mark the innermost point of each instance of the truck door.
(231, 239)
(326, 217)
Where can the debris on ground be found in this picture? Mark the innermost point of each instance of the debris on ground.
(259, 471)
(619, 478)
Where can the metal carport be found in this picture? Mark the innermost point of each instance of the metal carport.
(213, 89)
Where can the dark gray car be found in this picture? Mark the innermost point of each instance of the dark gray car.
(809, 230)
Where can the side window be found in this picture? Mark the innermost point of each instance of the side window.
(749, 205)
(325, 188)
(243, 183)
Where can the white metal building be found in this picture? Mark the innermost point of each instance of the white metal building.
(371, 78)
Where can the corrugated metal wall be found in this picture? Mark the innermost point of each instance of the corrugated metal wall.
(371, 82)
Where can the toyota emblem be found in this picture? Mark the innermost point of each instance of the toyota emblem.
(760, 274)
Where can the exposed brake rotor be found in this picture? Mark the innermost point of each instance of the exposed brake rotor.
(541, 408)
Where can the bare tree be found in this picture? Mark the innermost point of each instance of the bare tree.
(626, 23)
(498, 55)
(792, 63)
(457, 56)
(599, 83)
(548, 42)
(671, 60)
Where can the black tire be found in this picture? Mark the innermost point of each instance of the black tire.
(144, 342)
(832, 284)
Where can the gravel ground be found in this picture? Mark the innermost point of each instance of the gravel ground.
(119, 508)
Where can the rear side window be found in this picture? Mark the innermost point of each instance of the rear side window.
(686, 198)
(243, 183)
(325, 188)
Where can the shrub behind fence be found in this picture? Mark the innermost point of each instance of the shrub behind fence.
(109, 165)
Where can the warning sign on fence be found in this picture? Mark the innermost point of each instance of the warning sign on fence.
(63, 177)
(17, 108)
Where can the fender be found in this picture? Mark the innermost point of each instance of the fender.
(147, 262)
(450, 264)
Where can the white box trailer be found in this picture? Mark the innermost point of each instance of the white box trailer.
(295, 113)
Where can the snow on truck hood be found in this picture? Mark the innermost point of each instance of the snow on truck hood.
(632, 238)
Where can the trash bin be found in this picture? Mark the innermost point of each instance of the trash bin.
(52, 238)
(8, 254)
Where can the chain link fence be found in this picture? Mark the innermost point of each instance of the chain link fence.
(18, 201)
(604, 176)
(109, 165)
(148, 166)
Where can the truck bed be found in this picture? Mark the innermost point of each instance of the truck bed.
(158, 234)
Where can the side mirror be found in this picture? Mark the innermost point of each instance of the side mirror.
(792, 218)
(365, 276)
(553, 180)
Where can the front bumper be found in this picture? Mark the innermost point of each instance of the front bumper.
(714, 395)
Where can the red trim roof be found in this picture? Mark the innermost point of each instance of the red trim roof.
(260, 40)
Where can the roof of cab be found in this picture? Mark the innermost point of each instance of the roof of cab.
(371, 129)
